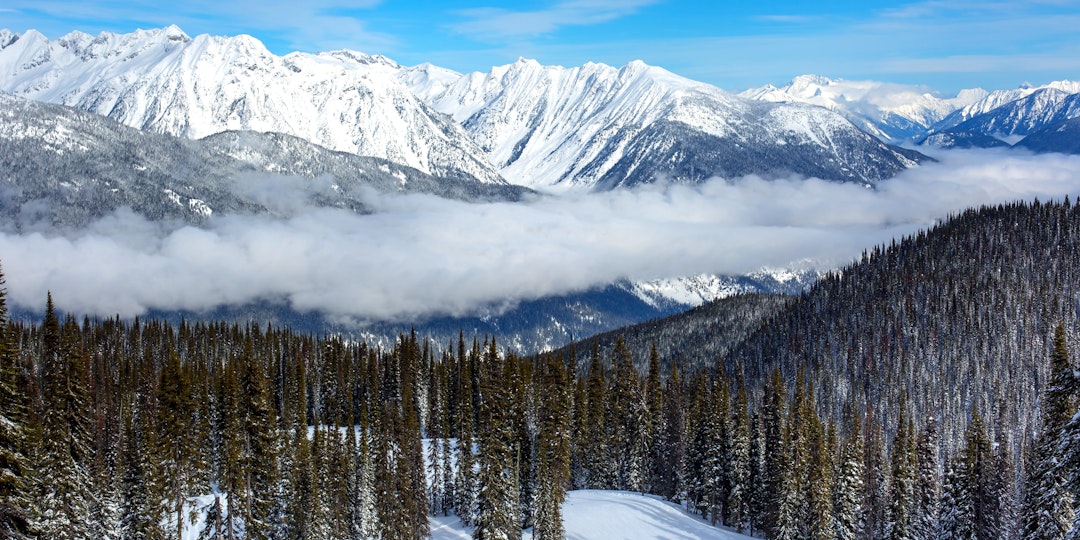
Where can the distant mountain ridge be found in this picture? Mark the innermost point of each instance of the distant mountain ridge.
(974, 118)
(592, 127)
(892, 112)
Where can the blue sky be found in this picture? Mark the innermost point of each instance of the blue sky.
(946, 45)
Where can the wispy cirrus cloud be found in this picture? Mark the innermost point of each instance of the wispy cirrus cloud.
(488, 23)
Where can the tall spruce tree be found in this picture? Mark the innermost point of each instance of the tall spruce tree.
(1048, 510)
(496, 517)
(65, 487)
(739, 490)
(176, 447)
(553, 450)
(904, 477)
(928, 486)
(670, 446)
(596, 440)
(849, 492)
(14, 460)
(972, 493)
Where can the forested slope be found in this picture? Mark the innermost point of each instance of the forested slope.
(955, 318)
(694, 337)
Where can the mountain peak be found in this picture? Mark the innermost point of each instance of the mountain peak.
(7, 37)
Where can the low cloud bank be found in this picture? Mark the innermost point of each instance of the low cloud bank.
(419, 255)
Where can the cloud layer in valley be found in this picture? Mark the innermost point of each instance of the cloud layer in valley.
(420, 255)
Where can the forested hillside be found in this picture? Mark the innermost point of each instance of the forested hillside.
(696, 337)
(956, 319)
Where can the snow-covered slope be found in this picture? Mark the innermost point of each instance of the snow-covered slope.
(166, 82)
(693, 291)
(999, 98)
(612, 515)
(892, 112)
(1009, 123)
(597, 126)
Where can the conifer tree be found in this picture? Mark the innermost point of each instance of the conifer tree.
(175, 428)
(14, 460)
(876, 481)
(65, 488)
(465, 477)
(694, 479)
(1049, 508)
(595, 439)
(739, 491)
(232, 474)
(972, 497)
(821, 524)
(553, 451)
(367, 511)
(627, 422)
(928, 486)
(776, 483)
(671, 444)
(757, 504)
(496, 517)
(719, 462)
(654, 402)
(259, 450)
(849, 490)
(412, 491)
(141, 508)
(904, 469)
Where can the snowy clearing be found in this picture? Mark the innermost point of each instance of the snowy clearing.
(612, 515)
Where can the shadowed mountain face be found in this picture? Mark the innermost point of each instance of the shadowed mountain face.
(64, 168)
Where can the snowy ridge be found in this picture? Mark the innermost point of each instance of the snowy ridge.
(1010, 123)
(597, 126)
(167, 82)
(693, 291)
(892, 112)
(999, 98)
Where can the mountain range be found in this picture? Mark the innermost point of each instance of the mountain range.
(973, 118)
(591, 127)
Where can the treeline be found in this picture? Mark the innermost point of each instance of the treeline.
(127, 430)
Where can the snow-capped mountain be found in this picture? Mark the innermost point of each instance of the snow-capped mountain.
(166, 82)
(892, 112)
(998, 98)
(592, 126)
(1009, 123)
(62, 167)
(693, 291)
(597, 126)
(1062, 137)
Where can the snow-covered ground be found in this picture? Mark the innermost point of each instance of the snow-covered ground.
(612, 515)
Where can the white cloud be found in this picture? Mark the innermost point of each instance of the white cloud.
(420, 255)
